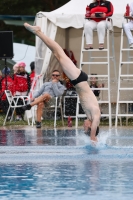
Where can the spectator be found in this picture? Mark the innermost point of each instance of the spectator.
(94, 84)
(0, 75)
(6, 83)
(32, 75)
(15, 68)
(68, 83)
(128, 26)
(70, 103)
(96, 14)
(22, 86)
(48, 90)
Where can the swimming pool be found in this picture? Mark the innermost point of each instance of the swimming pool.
(61, 164)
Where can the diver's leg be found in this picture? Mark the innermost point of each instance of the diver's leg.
(67, 65)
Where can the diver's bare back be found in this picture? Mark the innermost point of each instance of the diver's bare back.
(88, 100)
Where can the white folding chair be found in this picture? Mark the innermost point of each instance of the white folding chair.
(33, 110)
(58, 105)
(13, 101)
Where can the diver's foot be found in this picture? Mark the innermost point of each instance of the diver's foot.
(33, 29)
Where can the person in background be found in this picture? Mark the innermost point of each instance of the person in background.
(22, 86)
(15, 68)
(96, 14)
(69, 103)
(68, 84)
(0, 75)
(129, 26)
(94, 84)
(32, 74)
(48, 90)
(6, 83)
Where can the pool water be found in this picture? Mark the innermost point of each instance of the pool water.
(62, 164)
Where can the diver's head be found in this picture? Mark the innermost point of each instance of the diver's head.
(88, 132)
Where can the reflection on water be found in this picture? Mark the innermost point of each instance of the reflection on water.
(88, 179)
(55, 164)
(37, 137)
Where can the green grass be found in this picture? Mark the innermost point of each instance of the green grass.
(50, 122)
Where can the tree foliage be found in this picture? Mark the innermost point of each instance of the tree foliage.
(28, 7)
(25, 7)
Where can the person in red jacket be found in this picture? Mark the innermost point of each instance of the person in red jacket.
(6, 83)
(96, 13)
(22, 86)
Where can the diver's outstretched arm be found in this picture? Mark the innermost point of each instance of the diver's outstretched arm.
(94, 125)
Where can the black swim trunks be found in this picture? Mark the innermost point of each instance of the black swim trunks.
(82, 77)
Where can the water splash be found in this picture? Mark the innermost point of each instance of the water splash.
(103, 137)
